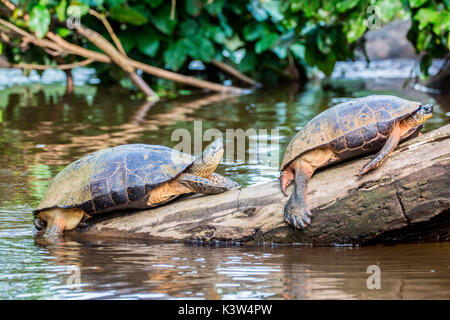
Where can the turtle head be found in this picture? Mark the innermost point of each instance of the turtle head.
(207, 163)
(423, 113)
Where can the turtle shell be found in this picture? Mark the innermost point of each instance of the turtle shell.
(114, 178)
(351, 128)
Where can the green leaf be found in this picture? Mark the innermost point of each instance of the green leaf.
(345, 5)
(443, 25)
(148, 42)
(273, 8)
(355, 27)
(326, 63)
(128, 40)
(248, 63)
(113, 3)
(427, 16)
(234, 43)
(61, 10)
(324, 42)
(194, 7)
(1, 115)
(63, 32)
(281, 52)
(188, 28)
(298, 50)
(423, 40)
(266, 42)
(154, 3)
(161, 20)
(39, 20)
(425, 64)
(215, 33)
(309, 7)
(215, 7)
(128, 15)
(254, 31)
(200, 48)
(258, 12)
(447, 4)
(417, 3)
(175, 55)
(225, 26)
(77, 10)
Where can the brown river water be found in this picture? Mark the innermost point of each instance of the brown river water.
(42, 130)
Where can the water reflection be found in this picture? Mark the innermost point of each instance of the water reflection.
(42, 130)
(136, 270)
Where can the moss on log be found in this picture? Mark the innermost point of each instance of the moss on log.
(408, 198)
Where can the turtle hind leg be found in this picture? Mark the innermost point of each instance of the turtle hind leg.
(166, 193)
(296, 210)
(58, 220)
(383, 154)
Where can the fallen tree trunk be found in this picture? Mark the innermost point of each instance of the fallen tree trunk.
(408, 193)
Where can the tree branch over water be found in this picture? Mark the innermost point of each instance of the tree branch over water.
(109, 55)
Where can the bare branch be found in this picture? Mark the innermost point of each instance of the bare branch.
(110, 30)
(58, 44)
(59, 66)
(235, 73)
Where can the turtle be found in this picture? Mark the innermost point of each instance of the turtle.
(344, 131)
(131, 176)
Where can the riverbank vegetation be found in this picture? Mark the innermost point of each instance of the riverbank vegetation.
(201, 43)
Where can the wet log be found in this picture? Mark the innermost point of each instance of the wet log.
(407, 198)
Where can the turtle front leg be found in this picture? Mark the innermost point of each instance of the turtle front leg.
(215, 184)
(383, 154)
(58, 220)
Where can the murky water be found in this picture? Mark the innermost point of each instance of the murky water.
(42, 130)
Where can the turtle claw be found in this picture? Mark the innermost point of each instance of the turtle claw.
(299, 220)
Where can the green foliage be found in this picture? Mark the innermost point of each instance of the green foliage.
(261, 38)
(39, 20)
(175, 54)
(430, 31)
(148, 42)
(128, 15)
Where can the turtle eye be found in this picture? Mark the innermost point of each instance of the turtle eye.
(428, 108)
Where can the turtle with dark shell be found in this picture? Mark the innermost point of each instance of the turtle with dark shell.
(134, 176)
(347, 130)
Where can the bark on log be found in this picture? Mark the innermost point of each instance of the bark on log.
(408, 197)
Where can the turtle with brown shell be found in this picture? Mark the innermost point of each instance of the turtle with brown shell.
(347, 130)
(133, 176)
